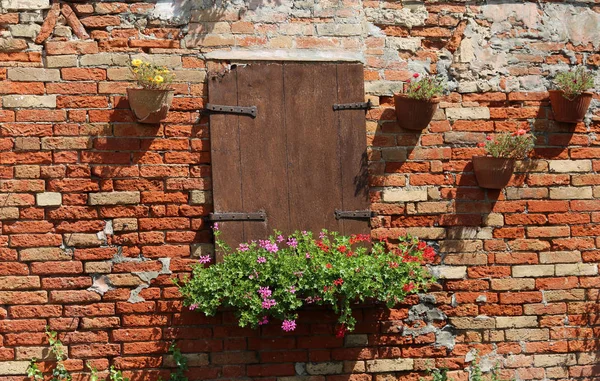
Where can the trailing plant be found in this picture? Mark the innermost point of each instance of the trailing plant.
(180, 361)
(33, 371)
(59, 373)
(116, 375)
(516, 145)
(274, 278)
(573, 83)
(424, 87)
(151, 76)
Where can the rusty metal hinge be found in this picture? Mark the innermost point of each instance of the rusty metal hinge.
(238, 216)
(239, 110)
(353, 214)
(353, 106)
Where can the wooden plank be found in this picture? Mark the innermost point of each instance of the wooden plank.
(263, 149)
(312, 136)
(225, 154)
(353, 147)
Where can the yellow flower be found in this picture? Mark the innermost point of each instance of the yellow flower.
(158, 79)
(136, 62)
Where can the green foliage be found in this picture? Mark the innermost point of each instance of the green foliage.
(574, 82)
(93, 372)
(276, 277)
(33, 371)
(180, 361)
(150, 76)
(424, 87)
(475, 373)
(516, 145)
(59, 372)
(116, 375)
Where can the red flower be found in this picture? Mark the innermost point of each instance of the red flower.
(421, 245)
(329, 266)
(338, 282)
(342, 248)
(480, 145)
(354, 238)
(408, 287)
(394, 265)
(429, 253)
(322, 246)
(349, 254)
(341, 331)
(488, 137)
(416, 75)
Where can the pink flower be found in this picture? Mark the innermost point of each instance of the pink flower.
(264, 292)
(322, 235)
(416, 75)
(288, 325)
(292, 242)
(304, 232)
(193, 306)
(261, 260)
(263, 321)
(243, 247)
(268, 303)
(216, 226)
(307, 255)
(280, 238)
(521, 132)
(292, 290)
(204, 259)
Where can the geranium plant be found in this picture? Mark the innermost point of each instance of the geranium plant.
(424, 87)
(516, 145)
(573, 83)
(150, 76)
(273, 278)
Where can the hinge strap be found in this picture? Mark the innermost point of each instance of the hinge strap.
(239, 110)
(353, 106)
(353, 214)
(238, 216)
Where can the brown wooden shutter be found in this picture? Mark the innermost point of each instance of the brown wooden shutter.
(298, 160)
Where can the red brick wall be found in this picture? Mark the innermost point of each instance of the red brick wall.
(98, 213)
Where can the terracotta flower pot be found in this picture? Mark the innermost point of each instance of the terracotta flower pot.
(569, 111)
(149, 105)
(493, 172)
(414, 114)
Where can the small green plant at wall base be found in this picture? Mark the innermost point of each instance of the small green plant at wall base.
(33, 371)
(573, 83)
(59, 373)
(274, 278)
(424, 87)
(516, 145)
(116, 375)
(180, 361)
(150, 76)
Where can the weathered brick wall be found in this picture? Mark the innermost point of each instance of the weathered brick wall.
(99, 213)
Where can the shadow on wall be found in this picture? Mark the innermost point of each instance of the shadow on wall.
(204, 18)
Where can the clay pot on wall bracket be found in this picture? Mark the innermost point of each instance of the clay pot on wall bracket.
(493, 172)
(414, 114)
(569, 111)
(150, 105)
